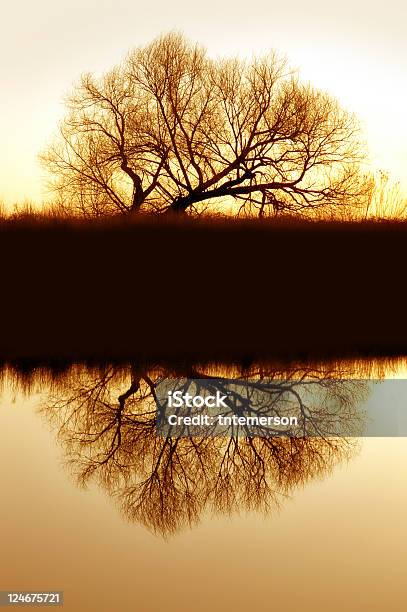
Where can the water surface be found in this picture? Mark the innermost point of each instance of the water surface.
(335, 541)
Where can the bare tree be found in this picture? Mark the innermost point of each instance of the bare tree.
(171, 129)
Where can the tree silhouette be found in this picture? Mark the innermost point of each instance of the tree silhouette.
(107, 423)
(171, 129)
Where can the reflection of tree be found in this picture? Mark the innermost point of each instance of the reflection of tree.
(107, 423)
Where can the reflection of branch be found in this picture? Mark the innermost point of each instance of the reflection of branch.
(134, 387)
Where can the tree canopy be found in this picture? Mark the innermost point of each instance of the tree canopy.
(171, 129)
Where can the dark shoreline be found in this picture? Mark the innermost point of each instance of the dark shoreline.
(183, 291)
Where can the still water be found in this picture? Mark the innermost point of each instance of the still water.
(327, 533)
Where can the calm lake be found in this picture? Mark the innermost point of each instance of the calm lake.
(328, 532)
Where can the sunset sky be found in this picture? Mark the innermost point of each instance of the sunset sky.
(355, 50)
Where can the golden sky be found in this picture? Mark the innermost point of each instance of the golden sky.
(357, 50)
